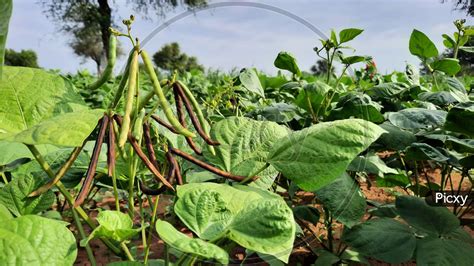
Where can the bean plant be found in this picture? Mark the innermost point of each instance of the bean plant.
(241, 161)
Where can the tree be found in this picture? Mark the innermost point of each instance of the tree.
(170, 58)
(320, 68)
(89, 20)
(26, 58)
(463, 5)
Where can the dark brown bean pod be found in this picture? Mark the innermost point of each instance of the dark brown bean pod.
(209, 167)
(182, 120)
(163, 123)
(111, 149)
(150, 191)
(193, 116)
(175, 167)
(143, 157)
(93, 163)
(149, 145)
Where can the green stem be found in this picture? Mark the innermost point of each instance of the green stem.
(265, 166)
(127, 251)
(89, 252)
(152, 226)
(4, 177)
(116, 195)
(328, 223)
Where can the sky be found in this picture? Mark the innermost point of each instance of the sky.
(240, 36)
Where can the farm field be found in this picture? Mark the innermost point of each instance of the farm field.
(141, 165)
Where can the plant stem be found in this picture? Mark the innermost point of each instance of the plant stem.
(89, 252)
(47, 169)
(265, 166)
(5, 180)
(152, 226)
(328, 223)
(127, 251)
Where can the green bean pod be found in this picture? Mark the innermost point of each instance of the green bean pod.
(111, 59)
(132, 84)
(162, 99)
(199, 114)
(137, 130)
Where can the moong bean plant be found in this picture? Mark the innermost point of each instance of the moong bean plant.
(240, 168)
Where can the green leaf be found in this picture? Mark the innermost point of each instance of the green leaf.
(256, 219)
(439, 251)
(421, 46)
(396, 138)
(346, 35)
(15, 196)
(249, 80)
(432, 220)
(448, 41)
(306, 213)
(371, 164)
(244, 147)
(393, 180)
(31, 96)
(450, 66)
(440, 98)
(4, 214)
(113, 225)
(70, 129)
(137, 263)
(344, 200)
(12, 151)
(457, 117)
(413, 74)
(326, 258)
(287, 61)
(354, 59)
(467, 49)
(315, 93)
(194, 246)
(6, 7)
(422, 151)
(417, 118)
(34, 240)
(315, 156)
(383, 239)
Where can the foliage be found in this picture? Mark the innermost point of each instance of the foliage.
(170, 58)
(26, 58)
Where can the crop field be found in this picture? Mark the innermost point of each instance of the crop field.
(138, 166)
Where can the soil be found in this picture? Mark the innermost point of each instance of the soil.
(303, 251)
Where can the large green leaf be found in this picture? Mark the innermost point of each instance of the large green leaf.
(256, 219)
(370, 163)
(287, 61)
(33, 240)
(194, 246)
(313, 93)
(344, 199)
(396, 138)
(441, 251)
(15, 196)
(250, 81)
(30, 97)
(113, 225)
(383, 239)
(421, 46)
(244, 147)
(6, 7)
(458, 116)
(346, 35)
(423, 151)
(315, 156)
(12, 151)
(429, 219)
(417, 118)
(70, 129)
(450, 66)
